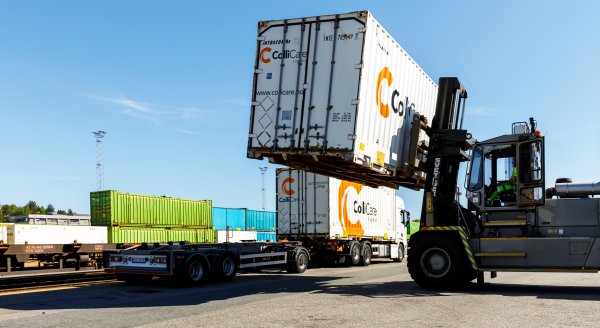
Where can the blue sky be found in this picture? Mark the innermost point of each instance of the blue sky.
(171, 83)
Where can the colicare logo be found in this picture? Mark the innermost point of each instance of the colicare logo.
(385, 74)
(349, 228)
(384, 107)
(285, 186)
(264, 55)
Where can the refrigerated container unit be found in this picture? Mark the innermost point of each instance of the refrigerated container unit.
(338, 219)
(228, 218)
(115, 208)
(337, 95)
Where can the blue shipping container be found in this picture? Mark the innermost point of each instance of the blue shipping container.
(234, 218)
(261, 220)
(266, 236)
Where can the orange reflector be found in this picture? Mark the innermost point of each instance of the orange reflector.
(538, 133)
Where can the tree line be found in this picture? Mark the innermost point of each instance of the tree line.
(8, 210)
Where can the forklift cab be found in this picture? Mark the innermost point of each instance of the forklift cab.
(507, 172)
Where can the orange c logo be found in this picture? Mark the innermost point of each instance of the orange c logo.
(262, 55)
(349, 228)
(284, 187)
(384, 109)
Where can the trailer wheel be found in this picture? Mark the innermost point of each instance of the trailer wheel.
(226, 268)
(366, 254)
(401, 253)
(195, 272)
(437, 263)
(300, 262)
(355, 251)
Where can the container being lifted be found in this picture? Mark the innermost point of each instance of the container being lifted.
(337, 95)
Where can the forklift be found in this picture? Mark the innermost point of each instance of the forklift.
(511, 222)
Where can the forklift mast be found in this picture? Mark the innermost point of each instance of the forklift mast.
(448, 147)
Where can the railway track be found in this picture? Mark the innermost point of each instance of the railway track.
(45, 281)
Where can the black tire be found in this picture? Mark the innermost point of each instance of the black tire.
(226, 268)
(133, 278)
(438, 263)
(300, 263)
(401, 253)
(366, 254)
(354, 253)
(195, 272)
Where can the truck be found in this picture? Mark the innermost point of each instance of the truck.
(339, 221)
(196, 263)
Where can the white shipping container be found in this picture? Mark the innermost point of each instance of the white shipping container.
(337, 90)
(19, 234)
(4, 233)
(314, 205)
(234, 236)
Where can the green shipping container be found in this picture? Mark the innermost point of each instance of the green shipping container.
(126, 235)
(115, 208)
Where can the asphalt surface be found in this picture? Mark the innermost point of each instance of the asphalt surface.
(381, 295)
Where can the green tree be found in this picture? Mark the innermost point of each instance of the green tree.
(61, 212)
(50, 209)
(33, 207)
(42, 210)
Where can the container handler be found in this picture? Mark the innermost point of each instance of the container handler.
(511, 222)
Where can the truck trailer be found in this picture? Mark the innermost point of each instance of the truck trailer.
(195, 263)
(338, 220)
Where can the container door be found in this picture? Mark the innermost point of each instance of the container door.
(306, 85)
(288, 211)
(279, 86)
(333, 78)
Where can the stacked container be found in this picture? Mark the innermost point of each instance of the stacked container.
(140, 218)
(263, 222)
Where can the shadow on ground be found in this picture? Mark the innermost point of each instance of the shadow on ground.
(158, 293)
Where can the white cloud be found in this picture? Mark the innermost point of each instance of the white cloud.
(153, 113)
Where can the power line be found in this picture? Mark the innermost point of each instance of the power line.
(99, 162)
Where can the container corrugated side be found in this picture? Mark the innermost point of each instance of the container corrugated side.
(261, 220)
(159, 235)
(234, 218)
(20, 234)
(116, 208)
(346, 96)
(266, 236)
(310, 204)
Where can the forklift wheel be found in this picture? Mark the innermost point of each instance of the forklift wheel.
(438, 262)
